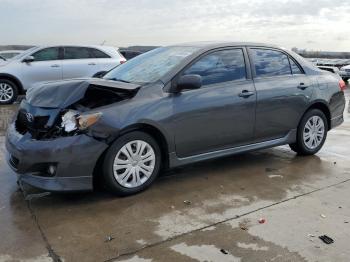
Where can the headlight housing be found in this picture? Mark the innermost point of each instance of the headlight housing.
(72, 120)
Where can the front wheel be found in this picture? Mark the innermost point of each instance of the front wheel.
(311, 134)
(8, 92)
(132, 163)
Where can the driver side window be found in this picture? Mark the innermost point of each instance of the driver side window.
(220, 66)
(47, 54)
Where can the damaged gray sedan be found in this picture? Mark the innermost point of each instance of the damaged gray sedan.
(170, 107)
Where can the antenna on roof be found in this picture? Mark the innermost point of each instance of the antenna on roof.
(104, 41)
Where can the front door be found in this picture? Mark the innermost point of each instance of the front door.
(221, 113)
(47, 66)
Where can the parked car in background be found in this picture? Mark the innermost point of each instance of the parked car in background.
(345, 72)
(170, 107)
(332, 69)
(129, 54)
(52, 63)
(8, 54)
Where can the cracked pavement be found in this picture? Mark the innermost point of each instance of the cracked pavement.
(300, 198)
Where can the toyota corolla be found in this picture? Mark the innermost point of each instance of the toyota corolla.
(169, 107)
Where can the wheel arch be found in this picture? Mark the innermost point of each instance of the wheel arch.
(143, 127)
(15, 80)
(322, 106)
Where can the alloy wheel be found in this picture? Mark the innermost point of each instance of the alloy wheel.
(6, 92)
(134, 164)
(314, 131)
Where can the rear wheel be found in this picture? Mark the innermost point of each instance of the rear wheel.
(132, 163)
(8, 92)
(311, 134)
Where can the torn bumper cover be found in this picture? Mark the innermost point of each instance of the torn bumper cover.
(61, 164)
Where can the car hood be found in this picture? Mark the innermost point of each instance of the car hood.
(61, 94)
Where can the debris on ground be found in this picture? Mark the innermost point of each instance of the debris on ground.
(326, 239)
(311, 235)
(172, 207)
(109, 238)
(274, 176)
(269, 169)
(223, 251)
(262, 220)
(323, 216)
(335, 163)
(187, 202)
(244, 225)
(30, 197)
(346, 222)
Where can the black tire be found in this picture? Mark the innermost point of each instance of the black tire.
(111, 181)
(300, 147)
(14, 88)
(345, 79)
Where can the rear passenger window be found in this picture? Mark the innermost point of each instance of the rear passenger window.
(220, 66)
(295, 68)
(98, 54)
(76, 53)
(270, 63)
(47, 54)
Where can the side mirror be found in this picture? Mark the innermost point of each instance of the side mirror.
(28, 59)
(189, 82)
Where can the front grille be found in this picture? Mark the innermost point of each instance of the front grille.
(38, 123)
(14, 161)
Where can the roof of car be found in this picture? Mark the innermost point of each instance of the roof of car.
(215, 44)
(11, 51)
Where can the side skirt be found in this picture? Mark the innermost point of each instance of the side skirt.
(174, 161)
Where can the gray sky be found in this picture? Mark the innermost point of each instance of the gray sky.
(311, 24)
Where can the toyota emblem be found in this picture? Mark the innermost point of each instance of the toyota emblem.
(29, 117)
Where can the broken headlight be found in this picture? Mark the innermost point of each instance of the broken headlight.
(72, 120)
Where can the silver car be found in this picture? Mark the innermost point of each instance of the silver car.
(345, 72)
(52, 63)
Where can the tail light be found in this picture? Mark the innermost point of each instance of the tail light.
(342, 85)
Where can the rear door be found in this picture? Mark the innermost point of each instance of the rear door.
(221, 113)
(78, 62)
(283, 92)
(47, 66)
(105, 61)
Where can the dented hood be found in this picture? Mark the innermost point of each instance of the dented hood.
(61, 94)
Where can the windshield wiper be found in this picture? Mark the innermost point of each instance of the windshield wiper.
(119, 80)
(3, 58)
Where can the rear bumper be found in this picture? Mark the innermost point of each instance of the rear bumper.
(74, 159)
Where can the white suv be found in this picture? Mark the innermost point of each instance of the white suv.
(50, 63)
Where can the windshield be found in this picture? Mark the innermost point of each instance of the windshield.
(151, 66)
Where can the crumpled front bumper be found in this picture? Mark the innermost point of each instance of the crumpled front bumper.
(74, 159)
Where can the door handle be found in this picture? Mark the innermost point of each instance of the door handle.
(55, 65)
(246, 94)
(91, 63)
(302, 86)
